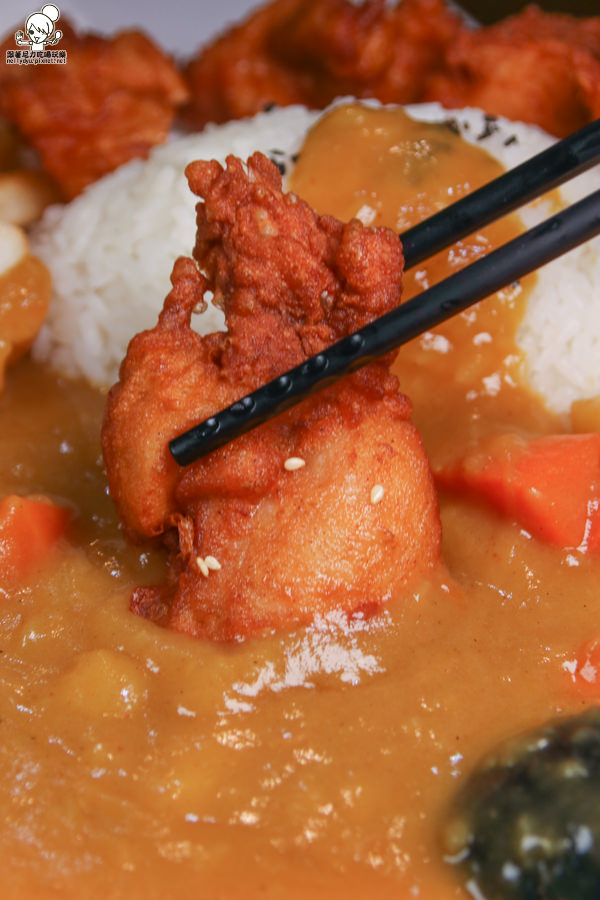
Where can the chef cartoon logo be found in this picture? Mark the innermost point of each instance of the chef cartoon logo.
(39, 34)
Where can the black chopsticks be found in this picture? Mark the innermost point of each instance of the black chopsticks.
(547, 241)
(561, 162)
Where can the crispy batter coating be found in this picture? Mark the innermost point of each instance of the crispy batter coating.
(537, 67)
(310, 51)
(111, 101)
(290, 544)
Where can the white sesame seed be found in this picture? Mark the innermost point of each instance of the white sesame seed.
(212, 563)
(377, 493)
(293, 463)
(201, 563)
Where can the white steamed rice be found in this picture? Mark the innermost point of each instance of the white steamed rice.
(111, 251)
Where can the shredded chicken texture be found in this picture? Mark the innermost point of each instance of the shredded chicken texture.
(536, 67)
(311, 51)
(111, 101)
(255, 544)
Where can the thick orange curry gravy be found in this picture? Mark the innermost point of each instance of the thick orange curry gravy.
(141, 763)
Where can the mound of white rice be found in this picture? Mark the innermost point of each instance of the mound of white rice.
(111, 251)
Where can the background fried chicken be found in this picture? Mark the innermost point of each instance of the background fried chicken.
(111, 101)
(541, 68)
(311, 51)
(536, 67)
(289, 544)
(116, 98)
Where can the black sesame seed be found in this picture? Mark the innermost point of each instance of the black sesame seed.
(490, 126)
(452, 125)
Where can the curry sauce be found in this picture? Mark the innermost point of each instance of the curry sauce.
(465, 378)
(140, 762)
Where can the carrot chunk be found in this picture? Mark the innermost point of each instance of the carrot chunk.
(29, 528)
(549, 485)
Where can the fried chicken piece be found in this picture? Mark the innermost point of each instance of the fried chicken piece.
(310, 51)
(111, 101)
(536, 67)
(255, 545)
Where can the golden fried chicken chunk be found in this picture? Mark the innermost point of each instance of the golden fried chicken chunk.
(537, 67)
(258, 542)
(310, 51)
(111, 101)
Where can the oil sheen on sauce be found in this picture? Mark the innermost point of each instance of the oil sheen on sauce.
(320, 762)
